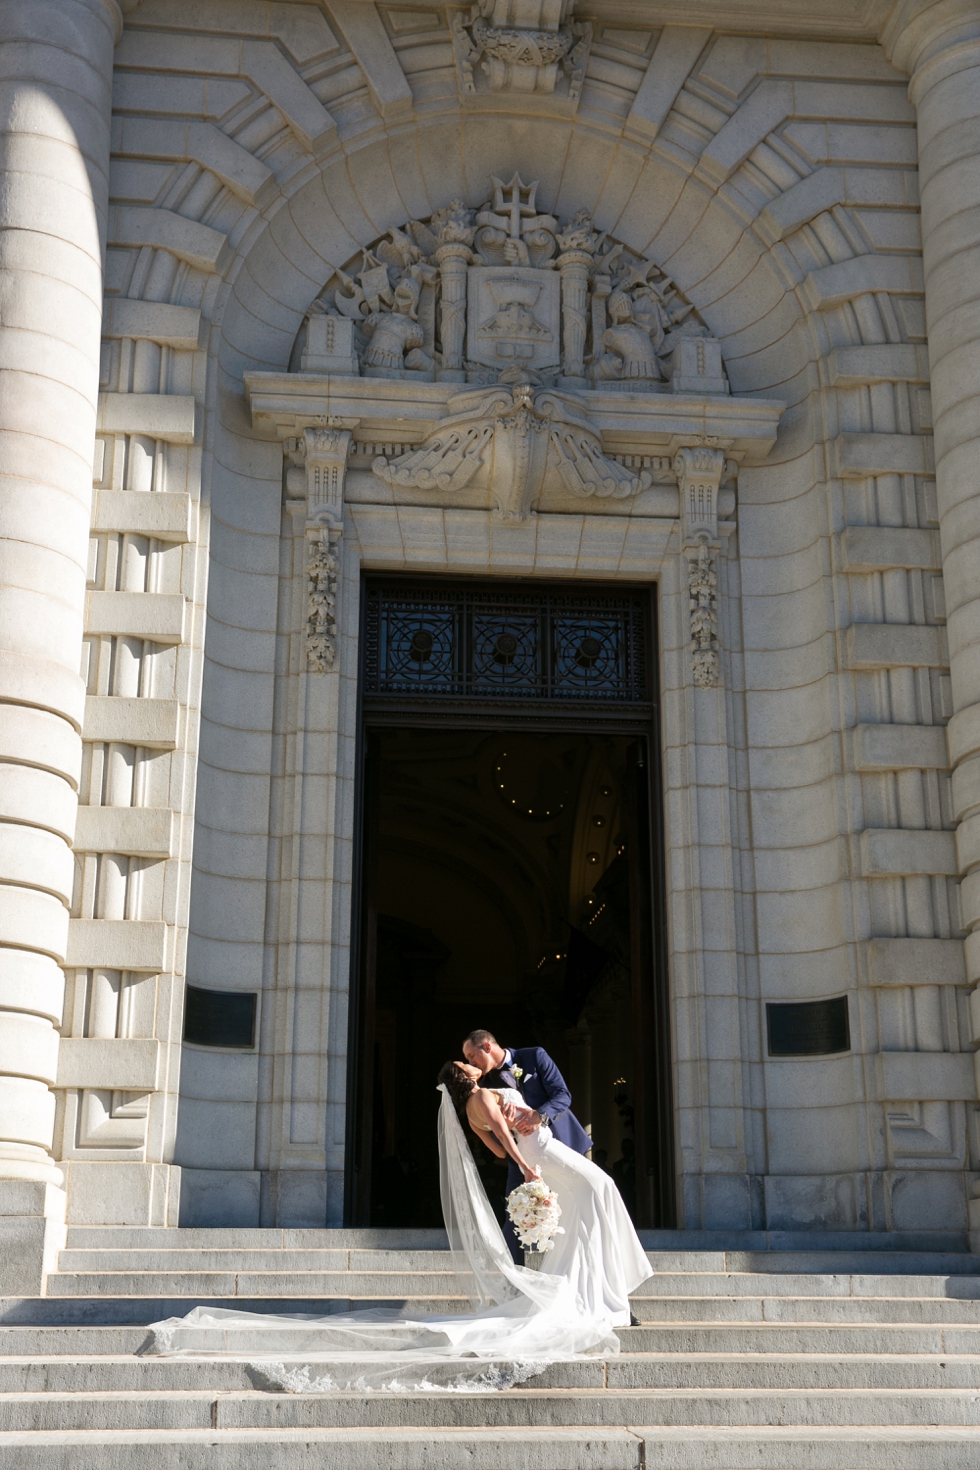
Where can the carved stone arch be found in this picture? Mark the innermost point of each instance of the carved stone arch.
(353, 201)
(426, 259)
(280, 266)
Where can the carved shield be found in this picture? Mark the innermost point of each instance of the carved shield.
(513, 317)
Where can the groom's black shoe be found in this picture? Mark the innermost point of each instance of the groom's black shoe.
(634, 1320)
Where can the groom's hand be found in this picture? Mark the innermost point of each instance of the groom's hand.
(527, 1121)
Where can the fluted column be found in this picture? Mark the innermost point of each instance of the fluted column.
(55, 101)
(938, 43)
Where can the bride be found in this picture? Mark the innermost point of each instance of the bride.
(599, 1253)
(522, 1320)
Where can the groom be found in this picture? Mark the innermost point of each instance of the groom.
(548, 1101)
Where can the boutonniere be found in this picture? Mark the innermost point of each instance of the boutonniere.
(517, 1072)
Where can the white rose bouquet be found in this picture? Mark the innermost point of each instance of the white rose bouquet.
(535, 1212)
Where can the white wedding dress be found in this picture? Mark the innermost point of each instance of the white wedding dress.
(522, 1320)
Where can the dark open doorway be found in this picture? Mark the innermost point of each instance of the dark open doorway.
(509, 878)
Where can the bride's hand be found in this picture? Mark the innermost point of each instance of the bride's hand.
(531, 1174)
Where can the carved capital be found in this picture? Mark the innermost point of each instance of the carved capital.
(699, 470)
(326, 451)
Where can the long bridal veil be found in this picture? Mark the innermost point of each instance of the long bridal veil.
(521, 1321)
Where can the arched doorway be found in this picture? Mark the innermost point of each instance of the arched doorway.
(510, 874)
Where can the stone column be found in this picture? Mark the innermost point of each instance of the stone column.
(574, 266)
(453, 259)
(938, 43)
(55, 102)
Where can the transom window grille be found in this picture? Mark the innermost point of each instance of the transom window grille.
(487, 645)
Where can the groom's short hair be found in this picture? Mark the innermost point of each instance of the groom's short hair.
(478, 1038)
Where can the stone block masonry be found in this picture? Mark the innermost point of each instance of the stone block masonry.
(796, 197)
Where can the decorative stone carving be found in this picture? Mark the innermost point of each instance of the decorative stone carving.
(522, 46)
(697, 367)
(321, 615)
(329, 343)
(320, 458)
(699, 469)
(702, 583)
(516, 442)
(325, 452)
(578, 243)
(508, 293)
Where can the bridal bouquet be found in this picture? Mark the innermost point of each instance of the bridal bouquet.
(535, 1212)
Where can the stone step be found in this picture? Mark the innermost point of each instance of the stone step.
(313, 1449)
(368, 1249)
(776, 1242)
(105, 1373)
(775, 1447)
(824, 1309)
(739, 1339)
(522, 1407)
(657, 1448)
(399, 1285)
(727, 1291)
(765, 1337)
(97, 1311)
(162, 1237)
(663, 1280)
(119, 1302)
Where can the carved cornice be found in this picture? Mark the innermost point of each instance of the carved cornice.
(848, 20)
(406, 413)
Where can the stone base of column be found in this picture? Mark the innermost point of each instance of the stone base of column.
(107, 1192)
(32, 1232)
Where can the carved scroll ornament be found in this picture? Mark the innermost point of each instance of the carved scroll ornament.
(518, 443)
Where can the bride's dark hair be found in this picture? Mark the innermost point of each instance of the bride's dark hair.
(457, 1084)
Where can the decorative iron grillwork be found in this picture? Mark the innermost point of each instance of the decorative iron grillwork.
(498, 645)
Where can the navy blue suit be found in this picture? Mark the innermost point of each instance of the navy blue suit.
(543, 1088)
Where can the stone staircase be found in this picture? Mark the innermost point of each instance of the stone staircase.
(748, 1358)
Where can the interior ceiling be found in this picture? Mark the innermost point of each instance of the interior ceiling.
(501, 823)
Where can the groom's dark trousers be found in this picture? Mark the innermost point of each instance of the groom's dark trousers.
(543, 1088)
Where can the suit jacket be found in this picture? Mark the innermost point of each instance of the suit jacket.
(543, 1088)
